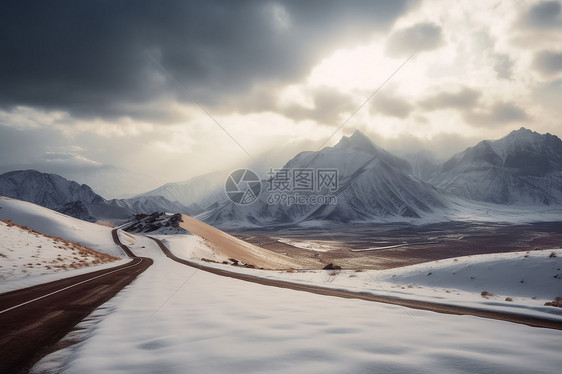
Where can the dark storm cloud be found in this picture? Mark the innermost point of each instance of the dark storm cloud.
(90, 57)
(544, 15)
(548, 62)
(464, 98)
(414, 39)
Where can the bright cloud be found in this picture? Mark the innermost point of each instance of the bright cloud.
(277, 75)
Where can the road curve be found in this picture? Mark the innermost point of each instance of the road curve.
(115, 236)
(34, 319)
(422, 305)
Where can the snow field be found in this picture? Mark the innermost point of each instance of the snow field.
(517, 282)
(176, 319)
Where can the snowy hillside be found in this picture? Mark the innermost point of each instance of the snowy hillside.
(25, 252)
(520, 275)
(522, 168)
(56, 224)
(424, 165)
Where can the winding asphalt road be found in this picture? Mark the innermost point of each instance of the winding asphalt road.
(422, 305)
(34, 319)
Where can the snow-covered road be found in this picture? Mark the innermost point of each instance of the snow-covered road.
(176, 319)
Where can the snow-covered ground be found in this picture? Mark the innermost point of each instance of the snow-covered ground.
(49, 222)
(474, 211)
(25, 252)
(190, 247)
(526, 275)
(517, 282)
(30, 258)
(176, 319)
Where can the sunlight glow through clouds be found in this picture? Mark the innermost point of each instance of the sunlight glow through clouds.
(282, 75)
(476, 40)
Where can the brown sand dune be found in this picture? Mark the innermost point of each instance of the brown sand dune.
(231, 247)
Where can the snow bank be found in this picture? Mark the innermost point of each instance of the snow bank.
(56, 224)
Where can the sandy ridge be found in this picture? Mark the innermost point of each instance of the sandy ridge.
(232, 247)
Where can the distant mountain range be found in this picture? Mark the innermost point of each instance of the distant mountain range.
(77, 200)
(522, 169)
(196, 193)
(371, 183)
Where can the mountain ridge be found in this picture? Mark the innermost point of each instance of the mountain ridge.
(76, 200)
(371, 183)
(524, 167)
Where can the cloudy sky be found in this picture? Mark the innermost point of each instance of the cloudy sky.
(134, 94)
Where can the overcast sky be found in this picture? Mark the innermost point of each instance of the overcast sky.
(114, 89)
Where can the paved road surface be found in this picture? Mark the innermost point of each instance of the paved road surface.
(34, 319)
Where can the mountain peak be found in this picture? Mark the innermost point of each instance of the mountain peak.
(523, 135)
(358, 137)
(359, 141)
(523, 167)
(362, 143)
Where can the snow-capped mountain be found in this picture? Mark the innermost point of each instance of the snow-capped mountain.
(54, 192)
(77, 200)
(196, 193)
(48, 190)
(150, 204)
(371, 183)
(521, 169)
(524, 167)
